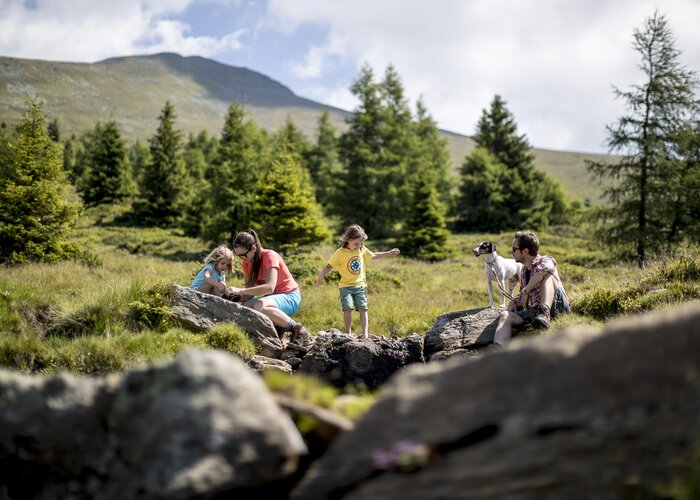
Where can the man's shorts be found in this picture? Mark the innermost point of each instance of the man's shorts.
(288, 303)
(353, 297)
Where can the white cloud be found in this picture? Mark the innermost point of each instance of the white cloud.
(553, 62)
(86, 31)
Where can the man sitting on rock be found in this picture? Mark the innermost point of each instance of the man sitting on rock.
(542, 294)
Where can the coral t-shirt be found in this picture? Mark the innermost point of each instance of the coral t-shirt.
(271, 259)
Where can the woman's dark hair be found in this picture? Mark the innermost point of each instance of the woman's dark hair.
(247, 239)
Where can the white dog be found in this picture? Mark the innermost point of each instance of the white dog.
(499, 269)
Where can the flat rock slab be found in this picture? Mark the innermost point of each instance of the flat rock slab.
(200, 312)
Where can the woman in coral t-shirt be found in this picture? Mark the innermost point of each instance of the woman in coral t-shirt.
(269, 286)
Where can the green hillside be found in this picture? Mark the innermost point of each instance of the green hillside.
(132, 90)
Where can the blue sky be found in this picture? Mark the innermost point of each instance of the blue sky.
(553, 61)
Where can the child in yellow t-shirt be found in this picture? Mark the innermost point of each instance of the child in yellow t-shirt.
(350, 261)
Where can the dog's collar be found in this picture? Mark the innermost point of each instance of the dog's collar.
(493, 259)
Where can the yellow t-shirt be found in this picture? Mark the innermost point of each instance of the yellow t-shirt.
(351, 265)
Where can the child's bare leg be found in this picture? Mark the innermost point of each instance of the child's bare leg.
(347, 317)
(206, 288)
(364, 323)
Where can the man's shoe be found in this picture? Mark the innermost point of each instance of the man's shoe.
(541, 319)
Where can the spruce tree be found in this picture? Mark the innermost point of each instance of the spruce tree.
(106, 174)
(241, 159)
(35, 218)
(482, 203)
(376, 152)
(432, 155)
(323, 161)
(646, 137)
(426, 231)
(286, 213)
(166, 189)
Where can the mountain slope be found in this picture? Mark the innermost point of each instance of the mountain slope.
(132, 90)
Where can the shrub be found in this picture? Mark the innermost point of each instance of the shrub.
(232, 339)
(152, 309)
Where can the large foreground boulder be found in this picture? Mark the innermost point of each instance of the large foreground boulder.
(200, 424)
(341, 359)
(578, 414)
(201, 311)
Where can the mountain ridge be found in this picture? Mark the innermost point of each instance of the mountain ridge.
(133, 89)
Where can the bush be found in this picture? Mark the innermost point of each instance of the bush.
(152, 310)
(232, 339)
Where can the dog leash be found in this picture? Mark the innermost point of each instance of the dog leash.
(508, 296)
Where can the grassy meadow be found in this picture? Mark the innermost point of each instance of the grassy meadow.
(111, 312)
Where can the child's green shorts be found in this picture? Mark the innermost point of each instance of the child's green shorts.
(353, 297)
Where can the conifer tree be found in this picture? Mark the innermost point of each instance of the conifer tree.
(54, 130)
(286, 213)
(323, 161)
(658, 110)
(432, 155)
(426, 231)
(165, 190)
(106, 174)
(291, 138)
(35, 218)
(240, 161)
(376, 152)
(482, 203)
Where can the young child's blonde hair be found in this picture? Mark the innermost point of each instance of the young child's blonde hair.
(222, 252)
(352, 232)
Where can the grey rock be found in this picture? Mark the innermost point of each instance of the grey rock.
(578, 414)
(194, 426)
(469, 330)
(261, 363)
(341, 359)
(199, 312)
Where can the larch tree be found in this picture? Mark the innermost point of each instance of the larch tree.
(644, 184)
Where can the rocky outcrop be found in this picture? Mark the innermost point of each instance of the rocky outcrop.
(342, 359)
(199, 312)
(576, 414)
(461, 331)
(199, 424)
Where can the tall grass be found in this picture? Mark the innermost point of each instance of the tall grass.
(98, 319)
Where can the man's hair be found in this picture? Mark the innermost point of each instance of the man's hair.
(529, 240)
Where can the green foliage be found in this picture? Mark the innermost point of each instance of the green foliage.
(500, 186)
(426, 232)
(35, 219)
(165, 187)
(668, 282)
(383, 152)
(235, 171)
(106, 176)
(232, 339)
(324, 165)
(649, 206)
(286, 212)
(152, 310)
(303, 268)
(352, 405)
